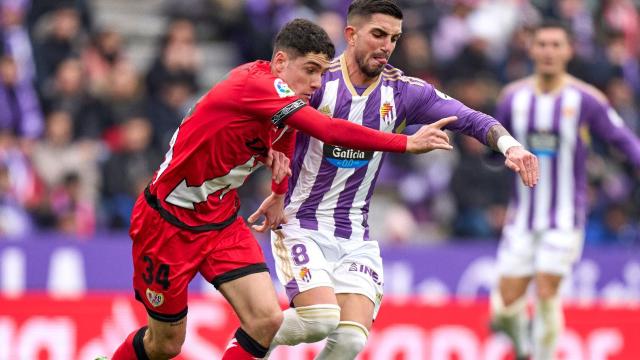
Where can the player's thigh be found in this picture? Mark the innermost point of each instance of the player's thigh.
(516, 252)
(356, 307)
(558, 251)
(302, 265)
(359, 274)
(165, 260)
(251, 296)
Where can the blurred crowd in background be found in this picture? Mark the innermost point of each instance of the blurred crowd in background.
(83, 127)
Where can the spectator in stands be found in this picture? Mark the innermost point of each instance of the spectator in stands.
(135, 162)
(178, 58)
(68, 91)
(64, 40)
(19, 105)
(58, 155)
(100, 59)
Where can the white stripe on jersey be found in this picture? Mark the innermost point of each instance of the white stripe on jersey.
(313, 157)
(519, 123)
(543, 121)
(329, 201)
(565, 210)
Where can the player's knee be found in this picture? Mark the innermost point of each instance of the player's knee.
(269, 323)
(319, 320)
(546, 291)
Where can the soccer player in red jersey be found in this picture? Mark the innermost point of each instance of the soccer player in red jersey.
(186, 220)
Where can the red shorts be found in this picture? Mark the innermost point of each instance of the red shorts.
(166, 258)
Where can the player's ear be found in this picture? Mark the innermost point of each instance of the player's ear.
(280, 60)
(350, 35)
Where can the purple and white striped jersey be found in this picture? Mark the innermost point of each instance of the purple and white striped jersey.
(557, 127)
(331, 187)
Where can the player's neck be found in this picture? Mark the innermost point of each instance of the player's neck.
(550, 83)
(356, 76)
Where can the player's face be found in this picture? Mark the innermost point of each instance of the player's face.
(373, 41)
(303, 74)
(550, 51)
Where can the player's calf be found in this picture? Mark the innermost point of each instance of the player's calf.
(345, 342)
(512, 320)
(548, 323)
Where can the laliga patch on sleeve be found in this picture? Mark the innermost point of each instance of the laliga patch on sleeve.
(442, 95)
(286, 111)
(282, 88)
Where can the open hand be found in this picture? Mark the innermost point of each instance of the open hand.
(524, 163)
(273, 210)
(430, 137)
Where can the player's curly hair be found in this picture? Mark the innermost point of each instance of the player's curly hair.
(366, 8)
(302, 37)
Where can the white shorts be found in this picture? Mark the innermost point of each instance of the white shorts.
(525, 252)
(307, 259)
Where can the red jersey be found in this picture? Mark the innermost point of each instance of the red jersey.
(221, 142)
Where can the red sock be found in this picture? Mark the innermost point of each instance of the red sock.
(127, 350)
(235, 352)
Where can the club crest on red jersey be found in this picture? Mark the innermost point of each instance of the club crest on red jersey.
(155, 299)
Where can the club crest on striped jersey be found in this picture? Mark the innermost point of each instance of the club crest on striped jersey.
(386, 112)
(305, 274)
(325, 110)
(282, 88)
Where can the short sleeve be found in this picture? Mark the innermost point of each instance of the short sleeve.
(270, 97)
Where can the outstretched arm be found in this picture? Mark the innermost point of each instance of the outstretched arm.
(518, 159)
(344, 133)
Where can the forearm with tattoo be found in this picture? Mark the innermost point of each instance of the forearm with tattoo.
(494, 134)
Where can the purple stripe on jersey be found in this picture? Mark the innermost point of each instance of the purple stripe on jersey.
(531, 128)
(327, 172)
(557, 111)
(371, 119)
(302, 145)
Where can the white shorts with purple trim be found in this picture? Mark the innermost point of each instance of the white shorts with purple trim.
(307, 259)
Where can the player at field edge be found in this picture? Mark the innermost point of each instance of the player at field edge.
(554, 114)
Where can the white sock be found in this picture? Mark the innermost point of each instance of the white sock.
(513, 321)
(306, 324)
(345, 342)
(548, 324)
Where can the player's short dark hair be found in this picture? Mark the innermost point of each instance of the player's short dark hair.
(554, 24)
(300, 37)
(366, 8)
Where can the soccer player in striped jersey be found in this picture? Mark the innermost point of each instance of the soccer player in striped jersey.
(331, 270)
(553, 113)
